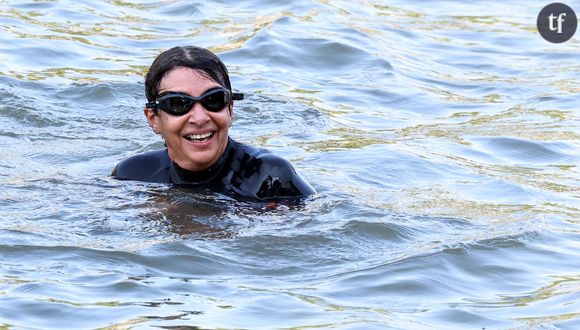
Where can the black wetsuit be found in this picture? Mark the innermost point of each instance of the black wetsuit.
(243, 172)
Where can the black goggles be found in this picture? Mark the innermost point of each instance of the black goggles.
(178, 104)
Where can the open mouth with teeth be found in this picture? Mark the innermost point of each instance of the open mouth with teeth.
(199, 137)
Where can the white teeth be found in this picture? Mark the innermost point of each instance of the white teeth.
(199, 136)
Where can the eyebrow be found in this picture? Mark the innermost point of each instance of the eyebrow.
(182, 93)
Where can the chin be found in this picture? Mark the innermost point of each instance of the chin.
(200, 160)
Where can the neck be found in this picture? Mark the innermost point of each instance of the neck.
(205, 175)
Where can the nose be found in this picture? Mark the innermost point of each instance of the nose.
(198, 115)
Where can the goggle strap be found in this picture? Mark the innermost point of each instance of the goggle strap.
(152, 105)
(237, 96)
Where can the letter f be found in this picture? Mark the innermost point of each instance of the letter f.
(560, 20)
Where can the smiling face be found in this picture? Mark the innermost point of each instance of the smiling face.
(196, 140)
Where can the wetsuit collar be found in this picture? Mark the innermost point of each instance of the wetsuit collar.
(182, 176)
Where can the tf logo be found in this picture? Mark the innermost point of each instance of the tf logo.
(557, 23)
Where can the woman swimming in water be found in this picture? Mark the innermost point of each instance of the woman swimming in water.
(190, 104)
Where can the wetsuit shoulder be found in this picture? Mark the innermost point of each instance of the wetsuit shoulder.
(268, 176)
(152, 166)
(280, 179)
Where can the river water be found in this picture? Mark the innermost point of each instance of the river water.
(442, 138)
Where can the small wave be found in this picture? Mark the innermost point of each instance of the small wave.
(528, 151)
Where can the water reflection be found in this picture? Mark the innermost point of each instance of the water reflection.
(196, 213)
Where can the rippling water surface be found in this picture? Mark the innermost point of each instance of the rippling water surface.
(442, 137)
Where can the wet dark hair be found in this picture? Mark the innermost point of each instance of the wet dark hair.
(185, 56)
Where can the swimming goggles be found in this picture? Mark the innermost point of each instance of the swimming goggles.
(178, 104)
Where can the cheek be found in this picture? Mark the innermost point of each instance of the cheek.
(229, 121)
(168, 126)
(223, 120)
